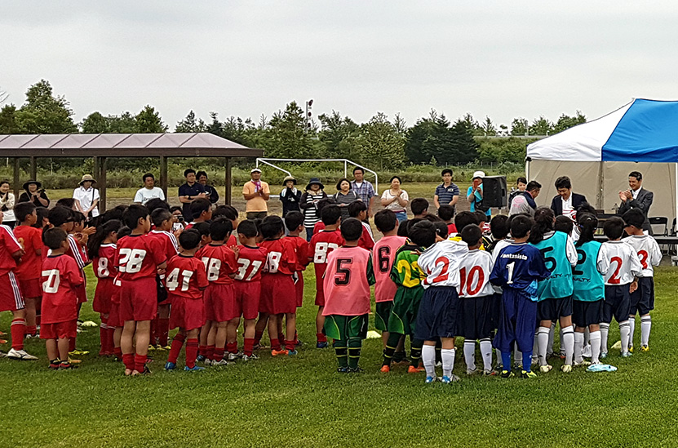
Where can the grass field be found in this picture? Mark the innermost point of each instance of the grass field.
(302, 401)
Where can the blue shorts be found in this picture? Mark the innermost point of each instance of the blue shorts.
(587, 313)
(437, 317)
(517, 322)
(474, 319)
(642, 299)
(617, 303)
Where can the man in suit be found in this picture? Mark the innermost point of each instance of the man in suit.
(566, 203)
(636, 197)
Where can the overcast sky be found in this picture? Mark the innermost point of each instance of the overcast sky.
(497, 58)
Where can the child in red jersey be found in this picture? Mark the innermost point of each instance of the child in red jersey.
(114, 320)
(28, 271)
(60, 276)
(347, 296)
(229, 212)
(186, 279)
(201, 209)
(139, 261)
(277, 286)
(221, 311)
(251, 260)
(358, 210)
(322, 244)
(162, 236)
(294, 221)
(102, 250)
(77, 242)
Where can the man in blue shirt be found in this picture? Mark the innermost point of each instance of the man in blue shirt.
(447, 193)
(189, 192)
(363, 189)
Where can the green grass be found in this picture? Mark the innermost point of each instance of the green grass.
(302, 401)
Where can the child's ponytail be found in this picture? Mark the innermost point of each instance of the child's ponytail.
(543, 223)
(96, 240)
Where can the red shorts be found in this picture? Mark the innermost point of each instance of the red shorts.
(114, 316)
(278, 294)
(102, 295)
(138, 299)
(10, 293)
(299, 286)
(247, 296)
(81, 293)
(60, 330)
(187, 314)
(31, 289)
(220, 304)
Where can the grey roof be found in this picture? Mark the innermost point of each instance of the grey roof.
(122, 145)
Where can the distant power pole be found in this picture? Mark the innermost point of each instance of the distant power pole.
(309, 114)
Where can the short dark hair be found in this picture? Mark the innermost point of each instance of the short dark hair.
(220, 228)
(324, 202)
(293, 220)
(60, 215)
(418, 205)
(133, 214)
(521, 226)
(248, 228)
(357, 168)
(355, 207)
(330, 215)
(471, 235)
(563, 182)
(613, 227)
(446, 171)
(54, 237)
(124, 231)
(175, 208)
(446, 212)
(203, 228)
(636, 174)
(271, 226)
(408, 225)
(564, 224)
(422, 233)
(441, 228)
(159, 215)
(585, 207)
(396, 177)
(499, 226)
(199, 206)
(521, 180)
(463, 219)
(342, 180)
(201, 173)
(188, 171)
(23, 209)
(351, 229)
(634, 217)
(66, 202)
(227, 211)
(533, 185)
(385, 220)
(147, 175)
(78, 217)
(189, 239)
(154, 203)
(480, 216)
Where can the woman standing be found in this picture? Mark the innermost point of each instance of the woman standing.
(35, 194)
(309, 204)
(87, 197)
(290, 196)
(7, 205)
(396, 200)
(345, 196)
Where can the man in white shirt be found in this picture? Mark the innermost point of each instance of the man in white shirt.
(87, 197)
(149, 191)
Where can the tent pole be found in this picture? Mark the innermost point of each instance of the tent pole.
(163, 175)
(601, 185)
(227, 181)
(16, 177)
(102, 183)
(34, 170)
(527, 170)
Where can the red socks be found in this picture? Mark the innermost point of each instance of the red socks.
(275, 344)
(232, 347)
(177, 343)
(71, 344)
(218, 354)
(32, 330)
(18, 330)
(321, 337)
(154, 331)
(192, 352)
(209, 353)
(289, 345)
(118, 352)
(139, 362)
(257, 337)
(128, 360)
(281, 337)
(249, 346)
(202, 350)
(163, 331)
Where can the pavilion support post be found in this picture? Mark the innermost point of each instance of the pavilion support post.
(16, 177)
(34, 169)
(102, 183)
(227, 181)
(97, 168)
(163, 176)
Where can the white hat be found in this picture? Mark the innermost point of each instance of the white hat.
(255, 170)
(478, 174)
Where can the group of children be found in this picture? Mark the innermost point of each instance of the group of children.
(501, 285)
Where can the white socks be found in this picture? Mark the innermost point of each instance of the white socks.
(594, 338)
(448, 360)
(428, 357)
(645, 327)
(486, 352)
(470, 354)
(543, 342)
(578, 347)
(632, 329)
(552, 332)
(604, 330)
(568, 343)
(624, 331)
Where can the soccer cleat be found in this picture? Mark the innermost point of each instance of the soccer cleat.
(200, 358)
(603, 355)
(167, 347)
(221, 362)
(3, 354)
(545, 369)
(151, 347)
(489, 373)
(354, 370)
(586, 352)
(412, 369)
(450, 379)
(342, 369)
(566, 368)
(626, 354)
(169, 366)
(526, 374)
(194, 369)
(298, 343)
(160, 348)
(257, 346)
(78, 352)
(74, 361)
(439, 363)
(65, 365)
(3, 341)
(292, 352)
(470, 372)
(323, 344)
(54, 364)
(233, 357)
(208, 362)
(582, 363)
(644, 348)
(631, 348)
(507, 374)
(431, 379)
(279, 352)
(20, 355)
(251, 357)
(385, 368)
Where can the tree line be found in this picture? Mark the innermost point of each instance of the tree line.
(382, 142)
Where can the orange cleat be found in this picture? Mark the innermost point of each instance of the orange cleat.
(412, 369)
(279, 352)
(385, 369)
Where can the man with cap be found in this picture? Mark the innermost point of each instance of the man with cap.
(290, 196)
(35, 194)
(189, 192)
(474, 194)
(256, 193)
(87, 197)
(309, 204)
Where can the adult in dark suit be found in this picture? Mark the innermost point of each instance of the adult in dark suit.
(636, 197)
(566, 202)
